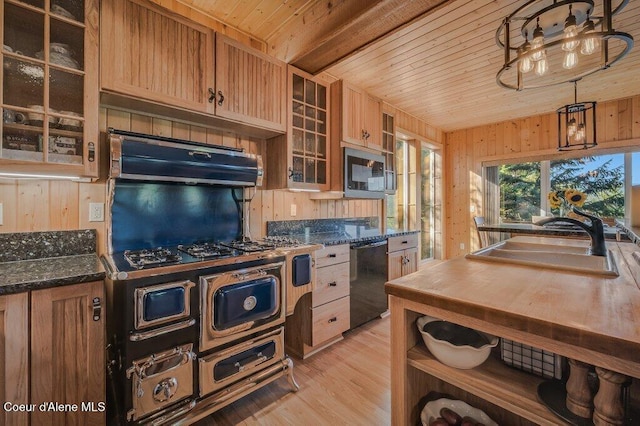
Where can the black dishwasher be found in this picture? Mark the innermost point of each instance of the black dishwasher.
(368, 274)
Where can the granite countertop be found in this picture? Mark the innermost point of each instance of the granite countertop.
(332, 231)
(335, 238)
(25, 275)
(37, 260)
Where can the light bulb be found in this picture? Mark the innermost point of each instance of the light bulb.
(542, 66)
(570, 31)
(580, 133)
(589, 44)
(525, 62)
(572, 128)
(570, 60)
(537, 42)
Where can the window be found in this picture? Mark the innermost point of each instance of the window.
(416, 204)
(524, 188)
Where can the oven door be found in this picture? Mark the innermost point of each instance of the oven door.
(223, 368)
(238, 303)
(160, 380)
(160, 304)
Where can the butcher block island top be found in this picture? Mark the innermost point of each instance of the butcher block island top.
(588, 318)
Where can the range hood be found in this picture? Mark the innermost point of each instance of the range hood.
(143, 157)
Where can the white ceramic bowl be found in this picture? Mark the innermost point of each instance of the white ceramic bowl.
(431, 411)
(461, 356)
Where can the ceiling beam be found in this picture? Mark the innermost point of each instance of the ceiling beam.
(329, 32)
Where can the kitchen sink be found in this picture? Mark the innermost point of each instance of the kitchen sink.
(556, 256)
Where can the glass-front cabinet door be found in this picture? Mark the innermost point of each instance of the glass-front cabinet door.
(308, 132)
(49, 86)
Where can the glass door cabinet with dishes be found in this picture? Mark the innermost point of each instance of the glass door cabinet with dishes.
(49, 81)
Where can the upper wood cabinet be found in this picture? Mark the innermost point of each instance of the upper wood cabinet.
(49, 80)
(389, 151)
(147, 53)
(150, 54)
(300, 159)
(357, 116)
(250, 85)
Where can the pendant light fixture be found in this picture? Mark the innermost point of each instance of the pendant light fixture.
(556, 42)
(577, 124)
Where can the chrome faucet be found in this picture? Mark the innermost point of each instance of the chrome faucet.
(595, 230)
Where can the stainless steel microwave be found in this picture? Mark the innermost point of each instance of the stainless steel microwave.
(363, 174)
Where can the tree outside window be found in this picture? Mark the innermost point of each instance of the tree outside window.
(600, 178)
(602, 182)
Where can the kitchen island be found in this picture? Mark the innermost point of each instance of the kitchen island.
(587, 318)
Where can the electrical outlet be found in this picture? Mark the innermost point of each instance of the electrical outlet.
(96, 212)
(294, 209)
(473, 208)
(1, 218)
(461, 246)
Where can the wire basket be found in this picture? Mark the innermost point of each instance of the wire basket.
(533, 360)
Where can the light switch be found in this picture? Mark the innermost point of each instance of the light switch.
(1, 218)
(294, 209)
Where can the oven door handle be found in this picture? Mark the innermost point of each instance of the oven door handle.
(242, 276)
(136, 337)
(251, 364)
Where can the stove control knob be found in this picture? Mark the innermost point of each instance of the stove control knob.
(164, 390)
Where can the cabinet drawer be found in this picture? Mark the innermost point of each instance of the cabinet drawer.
(331, 283)
(332, 255)
(329, 320)
(403, 242)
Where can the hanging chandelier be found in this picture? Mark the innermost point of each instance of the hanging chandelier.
(549, 42)
(577, 124)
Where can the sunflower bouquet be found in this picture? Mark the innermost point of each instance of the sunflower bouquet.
(564, 200)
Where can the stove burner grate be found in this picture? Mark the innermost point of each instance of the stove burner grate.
(140, 259)
(250, 246)
(207, 250)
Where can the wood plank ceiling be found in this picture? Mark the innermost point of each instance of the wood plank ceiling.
(435, 60)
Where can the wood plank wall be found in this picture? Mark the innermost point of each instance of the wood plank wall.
(617, 125)
(41, 205)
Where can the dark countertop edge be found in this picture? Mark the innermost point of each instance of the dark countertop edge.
(317, 238)
(98, 274)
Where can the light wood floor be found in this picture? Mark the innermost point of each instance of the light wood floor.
(346, 384)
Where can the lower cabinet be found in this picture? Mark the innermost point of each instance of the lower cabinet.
(403, 255)
(66, 362)
(14, 358)
(320, 317)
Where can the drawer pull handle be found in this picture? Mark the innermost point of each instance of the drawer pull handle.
(334, 319)
(97, 309)
(405, 242)
(332, 255)
(333, 284)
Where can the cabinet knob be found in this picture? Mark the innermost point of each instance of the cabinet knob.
(212, 95)
(220, 98)
(332, 255)
(333, 284)
(334, 319)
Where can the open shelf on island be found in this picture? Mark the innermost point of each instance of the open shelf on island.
(493, 381)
